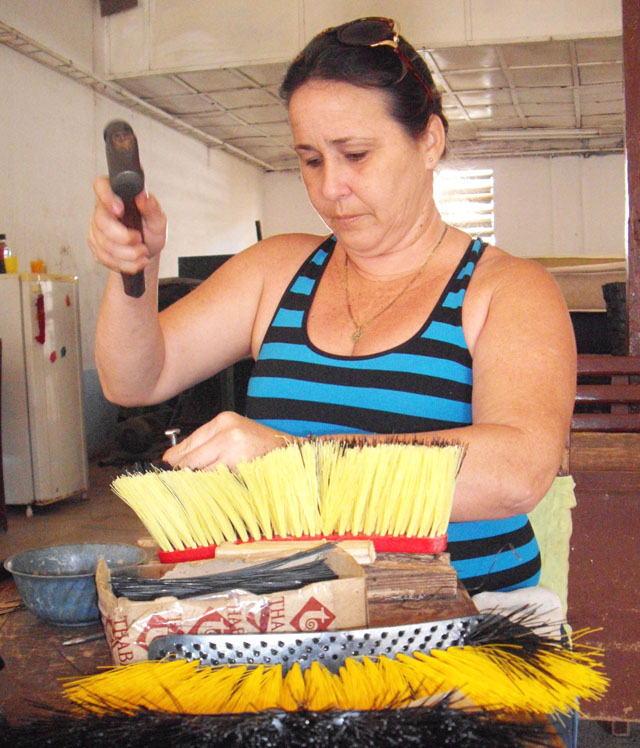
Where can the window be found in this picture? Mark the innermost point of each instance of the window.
(465, 199)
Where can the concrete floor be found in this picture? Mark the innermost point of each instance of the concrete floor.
(105, 518)
(102, 517)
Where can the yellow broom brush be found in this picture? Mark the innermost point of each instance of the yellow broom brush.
(398, 495)
(520, 674)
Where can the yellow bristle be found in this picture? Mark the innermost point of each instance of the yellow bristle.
(271, 688)
(153, 503)
(394, 496)
(495, 674)
(408, 484)
(420, 680)
(341, 696)
(319, 689)
(232, 492)
(253, 476)
(334, 482)
(285, 482)
(183, 483)
(245, 694)
(383, 468)
(127, 687)
(378, 684)
(363, 465)
(309, 494)
(308, 488)
(292, 694)
(491, 676)
(356, 684)
(218, 503)
(441, 480)
(398, 685)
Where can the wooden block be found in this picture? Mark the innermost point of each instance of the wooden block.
(362, 551)
(414, 588)
(399, 612)
(410, 576)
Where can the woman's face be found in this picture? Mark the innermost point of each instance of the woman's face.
(369, 180)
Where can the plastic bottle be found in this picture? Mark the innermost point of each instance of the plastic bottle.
(3, 245)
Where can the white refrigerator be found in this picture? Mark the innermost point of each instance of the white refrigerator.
(43, 437)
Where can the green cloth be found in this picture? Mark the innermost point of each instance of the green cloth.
(551, 522)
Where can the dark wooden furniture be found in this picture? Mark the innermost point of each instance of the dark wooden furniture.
(604, 573)
(616, 400)
(605, 428)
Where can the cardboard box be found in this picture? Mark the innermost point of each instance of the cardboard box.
(130, 625)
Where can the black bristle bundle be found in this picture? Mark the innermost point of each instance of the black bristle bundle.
(516, 629)
(287, 573)
(438, 725)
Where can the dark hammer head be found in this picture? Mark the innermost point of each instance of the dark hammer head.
(125, 173)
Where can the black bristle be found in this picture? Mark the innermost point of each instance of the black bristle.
(286, 573)
(439, 725)
(148, 466)
(516, 628)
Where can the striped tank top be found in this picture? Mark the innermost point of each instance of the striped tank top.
(424, 384)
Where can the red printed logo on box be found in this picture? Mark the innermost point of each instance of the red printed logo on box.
(157, 625)
(259, 618)
(314, 616)
(213, 623)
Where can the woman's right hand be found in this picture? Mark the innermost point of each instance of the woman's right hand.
(113, 244)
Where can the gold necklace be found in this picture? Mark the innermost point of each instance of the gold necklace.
(359, 326)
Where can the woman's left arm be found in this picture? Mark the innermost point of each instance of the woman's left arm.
(521, 338)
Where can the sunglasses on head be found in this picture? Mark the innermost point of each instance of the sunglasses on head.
(379, 32)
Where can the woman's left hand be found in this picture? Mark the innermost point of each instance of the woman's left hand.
(228, 438)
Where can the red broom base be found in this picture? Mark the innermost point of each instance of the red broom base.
(381, 543)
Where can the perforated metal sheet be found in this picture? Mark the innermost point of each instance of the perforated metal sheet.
(329, 648)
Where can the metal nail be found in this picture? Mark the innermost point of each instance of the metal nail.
(83, 639)
(173, 435)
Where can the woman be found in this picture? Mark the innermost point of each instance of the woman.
(394, 324)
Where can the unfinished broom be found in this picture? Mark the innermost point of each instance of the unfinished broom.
(502, 666)
(399, 495)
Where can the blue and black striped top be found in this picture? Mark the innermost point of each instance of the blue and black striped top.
(424, 384)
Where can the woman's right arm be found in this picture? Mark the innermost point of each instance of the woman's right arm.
(129, 346)
(144, 357)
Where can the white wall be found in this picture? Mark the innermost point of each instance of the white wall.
(544, 207)
(287, 207)
(561, 207)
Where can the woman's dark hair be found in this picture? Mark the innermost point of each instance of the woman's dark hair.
(327, 58)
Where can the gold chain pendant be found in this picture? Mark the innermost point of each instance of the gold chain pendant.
(357, 333)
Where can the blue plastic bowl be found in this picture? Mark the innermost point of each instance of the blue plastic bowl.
(57, 584)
